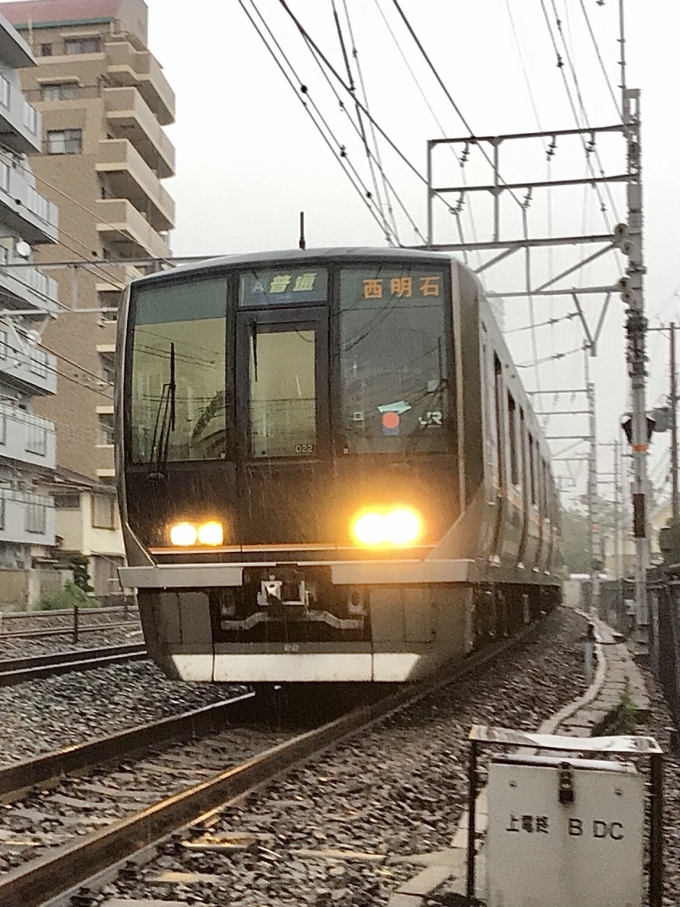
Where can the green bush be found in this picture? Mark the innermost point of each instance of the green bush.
(81, 577)
(70, 596)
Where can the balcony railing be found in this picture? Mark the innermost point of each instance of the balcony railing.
(123, 226)
(26, 518)
(26, 437)
(126, 109)
(130, 177)
(34, 217)
(127, 66)
(28, 285)
(30, 367)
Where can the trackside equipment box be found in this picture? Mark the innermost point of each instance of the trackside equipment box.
(564, 833)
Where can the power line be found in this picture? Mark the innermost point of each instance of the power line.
(374, 136)
(302, 93)
(601, 61)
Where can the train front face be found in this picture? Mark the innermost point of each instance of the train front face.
(288, 460)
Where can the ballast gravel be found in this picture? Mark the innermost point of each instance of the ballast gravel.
(96, 628)
(379, 799)
(39, 716)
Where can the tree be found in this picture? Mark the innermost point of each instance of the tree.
(81, 578)
(575, 541)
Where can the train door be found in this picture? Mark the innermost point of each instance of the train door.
(282, 410)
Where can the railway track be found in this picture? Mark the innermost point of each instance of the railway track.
(16, 670)
(62, 866)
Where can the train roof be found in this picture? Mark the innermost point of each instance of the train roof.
(341, 253)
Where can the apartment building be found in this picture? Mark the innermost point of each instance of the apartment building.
(28, 302)
(104, 102)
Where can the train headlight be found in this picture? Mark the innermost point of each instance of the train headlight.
(369, 529)
(183, 534)
(211, 533)
(397, 526)
(403, 526)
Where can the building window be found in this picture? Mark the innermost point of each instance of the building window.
(46, 50)
(36, 518)
(5, 91)
(38, 364)
(36, 439)
(64, 141)
(106, 364)
(3, 428)
(106, 429)
(2, 513)
(3, 345)
(30, 118)
(60, 91)
(82, 45)
(70, 501)
(103, 511)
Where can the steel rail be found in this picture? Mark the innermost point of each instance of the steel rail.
(67, 867)
(17, 670)
(15, 779)
(47, 632)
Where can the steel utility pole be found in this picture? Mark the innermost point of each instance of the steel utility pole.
(674, 431)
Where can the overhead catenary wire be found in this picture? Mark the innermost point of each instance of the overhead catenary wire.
(601, 61)
(343, 107)
(541, 324)
(440, 126)
(555, 356)
(390, 230)
(580, 120)
(302, 93)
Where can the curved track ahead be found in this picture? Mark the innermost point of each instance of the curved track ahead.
(72, 864)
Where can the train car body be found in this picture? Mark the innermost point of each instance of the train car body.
(328, 468)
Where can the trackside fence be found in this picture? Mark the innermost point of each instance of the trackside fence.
(664, 592)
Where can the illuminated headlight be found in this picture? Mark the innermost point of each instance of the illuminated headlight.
(211, 533)
(184, 535)
(398, 526)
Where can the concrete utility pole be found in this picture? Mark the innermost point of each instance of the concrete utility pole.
(593, 536)
(636, 328)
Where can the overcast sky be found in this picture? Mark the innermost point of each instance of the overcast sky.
(249, 158)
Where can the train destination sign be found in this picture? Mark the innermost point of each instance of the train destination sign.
(283, 286)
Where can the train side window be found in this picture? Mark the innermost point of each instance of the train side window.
(512, 428)
(498, 394)
(522, 449)
(532, 469)
(543, 491)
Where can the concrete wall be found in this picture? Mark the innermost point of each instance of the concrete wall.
(23, 589)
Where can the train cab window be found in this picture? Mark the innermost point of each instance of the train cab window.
(283, 393)
(394, 383)
(512, 428)
(178, 372)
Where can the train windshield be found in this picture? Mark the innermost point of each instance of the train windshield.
(393, 359)
(178, 407)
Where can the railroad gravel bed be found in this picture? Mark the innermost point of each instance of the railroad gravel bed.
(39, 716)
(129, 631)
(382, 798)
(658, 725)
(80, 805)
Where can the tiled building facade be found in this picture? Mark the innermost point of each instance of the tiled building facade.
(104, 102)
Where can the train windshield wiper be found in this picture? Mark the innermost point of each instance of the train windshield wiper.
(164, 424)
